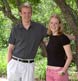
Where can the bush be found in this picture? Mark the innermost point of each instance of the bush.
(40, 69)
(3, 62)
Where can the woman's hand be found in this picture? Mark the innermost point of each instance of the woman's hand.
(61, 73)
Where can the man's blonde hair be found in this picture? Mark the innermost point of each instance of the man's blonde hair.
(25, 5)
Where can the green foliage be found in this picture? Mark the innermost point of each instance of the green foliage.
(5, 25)
(72, 4)
(72, 72)
(40, 69)
(38, 56)
(3, 62)
(43, 11)
(13, 2)
(40, 66)
(73, 47)
(34, 1)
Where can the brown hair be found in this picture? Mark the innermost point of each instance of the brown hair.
(60, 27)
(25, 5)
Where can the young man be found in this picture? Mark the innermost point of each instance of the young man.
(24, 40)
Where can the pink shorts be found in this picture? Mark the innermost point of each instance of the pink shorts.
(52, 75)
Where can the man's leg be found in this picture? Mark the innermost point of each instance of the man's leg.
(12, 74)
(28, 72)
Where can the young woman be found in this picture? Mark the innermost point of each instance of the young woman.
(59, 54)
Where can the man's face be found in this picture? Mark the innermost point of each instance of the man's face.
(26, 14)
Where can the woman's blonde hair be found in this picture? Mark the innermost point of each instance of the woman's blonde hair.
(60, 26)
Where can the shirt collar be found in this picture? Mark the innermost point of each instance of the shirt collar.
(21, 25)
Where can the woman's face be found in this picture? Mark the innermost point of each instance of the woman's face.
(54, 25)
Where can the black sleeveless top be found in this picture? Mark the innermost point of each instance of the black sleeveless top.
(55, 52)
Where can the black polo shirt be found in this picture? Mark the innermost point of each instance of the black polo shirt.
(26, 41)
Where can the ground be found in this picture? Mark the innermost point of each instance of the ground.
(3, 79)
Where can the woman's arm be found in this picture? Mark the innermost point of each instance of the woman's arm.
(68, 52)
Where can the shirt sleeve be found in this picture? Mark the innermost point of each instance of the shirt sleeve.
(44, 31)
(65, 40)
(12, 37)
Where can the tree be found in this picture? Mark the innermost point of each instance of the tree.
(7, 5)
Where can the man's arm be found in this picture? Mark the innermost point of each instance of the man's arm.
(71, 37)
(10, 51)
(43, 47)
